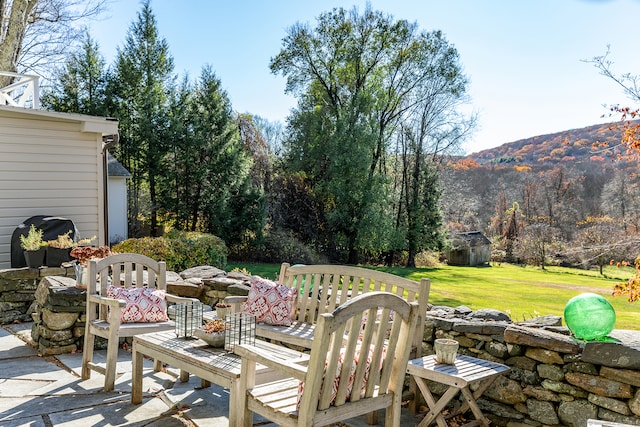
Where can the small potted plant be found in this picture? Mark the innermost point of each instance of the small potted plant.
(33, 247)
(222, 309)
(212, 332)
(58, 249)
(83, 254)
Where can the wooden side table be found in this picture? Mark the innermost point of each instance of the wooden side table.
(458, 377)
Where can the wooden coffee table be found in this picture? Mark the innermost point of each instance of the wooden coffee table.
(194, 356)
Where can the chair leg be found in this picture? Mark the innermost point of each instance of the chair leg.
(392, 414)
(87, 354)
(110, 368)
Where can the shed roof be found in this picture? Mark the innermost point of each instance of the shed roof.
(115, 168)
(473, 238)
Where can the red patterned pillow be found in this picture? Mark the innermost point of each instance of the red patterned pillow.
(352, 375)
(271, 302)
(143, 304)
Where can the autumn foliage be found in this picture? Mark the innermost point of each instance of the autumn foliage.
(630, 288)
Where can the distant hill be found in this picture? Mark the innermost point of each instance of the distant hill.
(575, 145)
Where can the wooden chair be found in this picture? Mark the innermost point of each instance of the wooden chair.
(129, 271)
(340, 337)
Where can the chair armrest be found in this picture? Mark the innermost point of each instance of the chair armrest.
(177, 299)
(111, 302)
(263, 356)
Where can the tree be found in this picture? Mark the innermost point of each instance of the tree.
(536, 241)
(630, 84)
(272, 131)
(80, 86)
(212, 166)
(506, 225)
(601, 240)
(258, 147)
(140, 85)
(430, 129)
(355, 77)
(36, 34)
(180, 189)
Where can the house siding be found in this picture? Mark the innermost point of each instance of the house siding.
(49, 166)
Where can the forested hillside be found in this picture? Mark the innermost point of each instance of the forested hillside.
(575, 145)
(549, 198)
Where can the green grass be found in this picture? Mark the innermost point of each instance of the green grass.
(522, 292)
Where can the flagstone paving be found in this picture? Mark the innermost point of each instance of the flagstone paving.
(47, 391)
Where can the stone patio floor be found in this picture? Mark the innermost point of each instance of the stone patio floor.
(47, 391)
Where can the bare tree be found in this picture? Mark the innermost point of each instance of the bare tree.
(537, 243)
(630, 83)
(38, 33)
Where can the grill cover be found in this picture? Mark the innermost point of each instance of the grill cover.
(51, 227)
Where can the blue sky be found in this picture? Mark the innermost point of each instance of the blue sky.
(523, 57)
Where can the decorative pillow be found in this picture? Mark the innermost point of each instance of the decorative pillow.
(143, 304)
(352, 375)
(271, 302)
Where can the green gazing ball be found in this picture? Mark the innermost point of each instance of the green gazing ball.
(589, 316)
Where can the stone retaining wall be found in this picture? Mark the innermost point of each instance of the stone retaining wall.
(554, 380)
(17, 289)
(57, 306)
(59, 316)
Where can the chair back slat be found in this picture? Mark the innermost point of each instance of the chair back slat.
(352, 348)
(323, 288)
(126, 270)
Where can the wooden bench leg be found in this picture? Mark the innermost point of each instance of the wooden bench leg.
(136, 376)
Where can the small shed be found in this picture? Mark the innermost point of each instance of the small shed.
(117, 197)
(471, 248)
(53, 164)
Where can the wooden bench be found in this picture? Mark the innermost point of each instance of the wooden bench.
(321, 288)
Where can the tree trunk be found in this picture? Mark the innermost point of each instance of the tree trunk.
(411, 259)
(12, 35)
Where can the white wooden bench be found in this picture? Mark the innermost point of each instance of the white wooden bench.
(321, 288)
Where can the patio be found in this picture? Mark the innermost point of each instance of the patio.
(48, 391)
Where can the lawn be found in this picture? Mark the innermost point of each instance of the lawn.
(522, 292)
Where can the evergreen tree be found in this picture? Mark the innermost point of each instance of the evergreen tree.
(140, 85)
(182, 186)
(79, 86)
(212, 166)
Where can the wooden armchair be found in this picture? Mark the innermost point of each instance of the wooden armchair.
(103, 313)
(342, 379)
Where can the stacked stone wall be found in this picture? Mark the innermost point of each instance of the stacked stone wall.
(554, 379)
(17, 289)
(59, 316)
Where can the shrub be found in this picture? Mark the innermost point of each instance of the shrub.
(282, 246)
(180, 250)
(427, 259)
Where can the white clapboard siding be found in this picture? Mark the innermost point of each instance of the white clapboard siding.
(51, 164)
